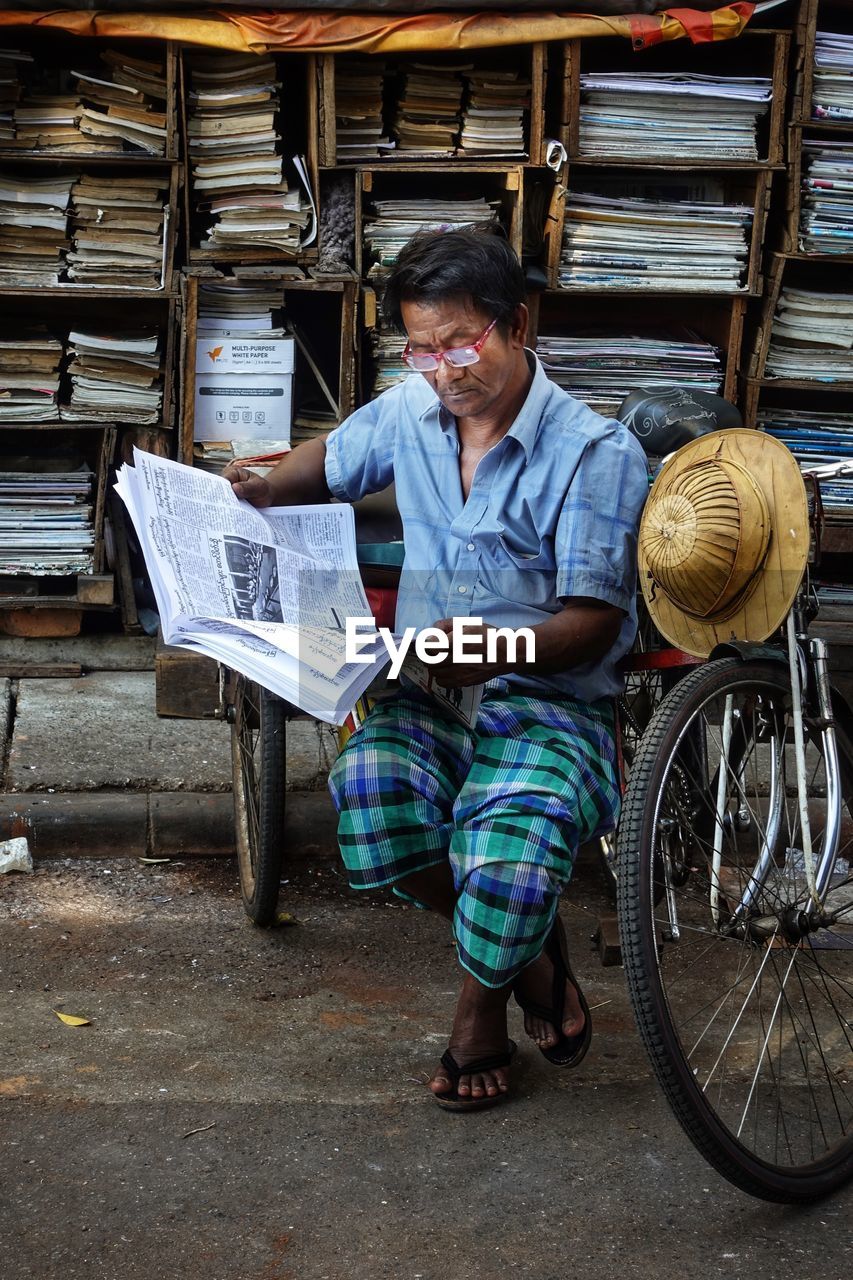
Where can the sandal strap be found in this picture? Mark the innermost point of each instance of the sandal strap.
(491, 1063)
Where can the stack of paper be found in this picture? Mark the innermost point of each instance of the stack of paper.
(29, 376)
(603, 369)
(243, 309)
(826, 218)
(626, 242)
(387, 350)
(114, 378)
(832, 93)
(429, 110)
(33, 230)
(119, 227)
(812, 337)
(11, 88)
(46, 518)
(493, 122)
(311, 419)
(651, 113)
(119, 106)
(393, 222)
(813, 436)
(359, 87)
(51, 122)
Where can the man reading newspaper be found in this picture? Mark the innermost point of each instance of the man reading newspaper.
(520, 507)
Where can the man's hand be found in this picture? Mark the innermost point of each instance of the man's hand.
(475, 670)
(249, 486)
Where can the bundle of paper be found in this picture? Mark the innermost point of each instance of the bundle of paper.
(119, 228)
(602, 369)
(46, 517)
(392, 222)
(244, 309)
(812, 337)
(387, 350)
(813, 436)
(12, 61)
(832, 92)
(312, 418)
(653, 243)
(29, 376)
(50, 122)
(359, 85)
(826, 217)
(650, 113)
(493, 120)
(33, 230)
(429, 110)
(119, 106)
(114, 378)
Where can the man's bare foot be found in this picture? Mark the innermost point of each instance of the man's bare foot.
(479, 1032)
(535, 985)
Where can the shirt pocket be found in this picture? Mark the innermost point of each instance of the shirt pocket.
(525, 574)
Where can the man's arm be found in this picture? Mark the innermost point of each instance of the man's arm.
(299, 478)
(583, 631)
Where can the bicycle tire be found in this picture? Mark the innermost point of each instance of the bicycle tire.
(258, 747)
(787, 1166)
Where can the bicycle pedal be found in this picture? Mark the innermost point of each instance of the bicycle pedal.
(605, 941)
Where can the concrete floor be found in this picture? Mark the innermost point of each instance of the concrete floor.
(298, 1055)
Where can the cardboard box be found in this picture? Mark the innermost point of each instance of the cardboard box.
(244, 389)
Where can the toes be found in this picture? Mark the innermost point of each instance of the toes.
(440, 1083)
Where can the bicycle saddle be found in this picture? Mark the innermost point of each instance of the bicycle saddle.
(665, 418)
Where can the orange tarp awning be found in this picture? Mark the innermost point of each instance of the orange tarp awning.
(329, 32)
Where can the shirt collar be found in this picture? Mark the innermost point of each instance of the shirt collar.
(525, 428)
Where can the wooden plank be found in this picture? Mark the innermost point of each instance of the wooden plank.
(312, 153)
(779, 74)
(188, 330)
(772, 289)
(326, 110)
(538, 72)
(172, 138)
(123, 571)
(570, 96)
(96, 588)
(40, 670)
(733, 349)
(186, 683)
(346, 382)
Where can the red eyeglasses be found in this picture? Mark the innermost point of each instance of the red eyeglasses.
(458, 357)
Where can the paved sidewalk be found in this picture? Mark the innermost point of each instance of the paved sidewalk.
(90, 769)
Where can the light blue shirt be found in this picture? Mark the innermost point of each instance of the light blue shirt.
(552, 513)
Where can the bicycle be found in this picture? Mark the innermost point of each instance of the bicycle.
(736, 908)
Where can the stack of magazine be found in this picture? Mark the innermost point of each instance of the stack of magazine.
(631, 242)
(429, 110)
(832, 92)
(818, 438)
(671, 114)
(115, 377)
(29, 376)
(602, 369)
(393, 222)
(359, 84)
(33, 230)
(493, 119)
(387, 351)
(244, 309)
(124, 106)
(46, 524)
(120, 231)
(812, 337)
(826, 216)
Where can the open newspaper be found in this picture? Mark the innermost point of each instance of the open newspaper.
(266, 592)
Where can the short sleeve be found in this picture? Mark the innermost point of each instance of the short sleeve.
(360, 452)
(596, 543)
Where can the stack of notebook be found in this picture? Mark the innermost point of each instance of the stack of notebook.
(114, 378)
(124, 106)
(359, 84)
(29, 376)
(245, 310)
(493, 121)
(119, 228)
(33, 230)
(832, 92)
(393, 222)
(429, 110)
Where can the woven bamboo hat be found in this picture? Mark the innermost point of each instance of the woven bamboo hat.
(724, 540)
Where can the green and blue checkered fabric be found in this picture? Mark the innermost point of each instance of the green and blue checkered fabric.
(508, 802)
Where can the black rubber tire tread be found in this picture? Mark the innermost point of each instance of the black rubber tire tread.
(260, 869)
(639, 951)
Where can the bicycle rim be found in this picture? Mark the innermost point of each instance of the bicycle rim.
(258, 776)
(749, 1027)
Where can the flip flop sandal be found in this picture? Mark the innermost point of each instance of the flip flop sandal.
(452, 1101)
(569, 1050)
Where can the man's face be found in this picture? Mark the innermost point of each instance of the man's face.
(475, 389)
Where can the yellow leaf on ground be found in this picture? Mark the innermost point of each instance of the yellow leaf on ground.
(284, 917)
(71, 1021)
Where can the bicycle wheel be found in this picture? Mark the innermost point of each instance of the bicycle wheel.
(258, 740)
(748, 1021)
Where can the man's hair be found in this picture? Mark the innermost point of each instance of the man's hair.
(437, 265)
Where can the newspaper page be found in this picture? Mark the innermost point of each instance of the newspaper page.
(267, 591)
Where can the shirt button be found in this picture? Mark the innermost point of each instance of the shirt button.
(461, 590)
(471, 546)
